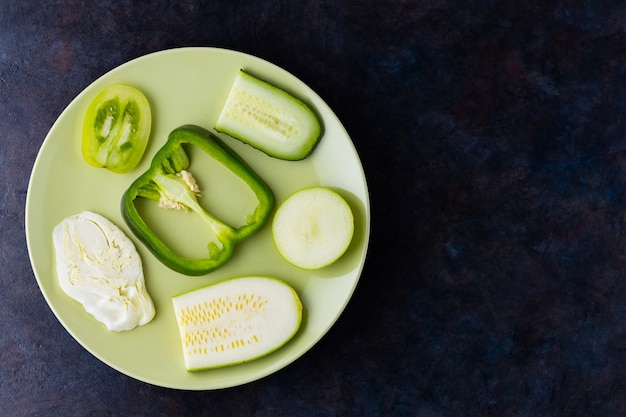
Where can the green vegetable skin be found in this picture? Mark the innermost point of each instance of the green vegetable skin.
(161, 180)
(269, 119)
(116, 128)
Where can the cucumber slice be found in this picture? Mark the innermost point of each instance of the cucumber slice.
(236, 321)
(313, 228)
(269, 119)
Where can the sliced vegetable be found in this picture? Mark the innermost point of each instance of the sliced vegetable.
(116, 128)
(168, 181)
(98, 266)
(313, 228)
(269, 118)
(236, 321)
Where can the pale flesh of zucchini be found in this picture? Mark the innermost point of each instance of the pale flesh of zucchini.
(236, 321)
(313, 228)
(269, 119)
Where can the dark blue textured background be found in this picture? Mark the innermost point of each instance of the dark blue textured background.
(493, 135)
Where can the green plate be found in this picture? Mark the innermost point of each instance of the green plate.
(189, 86)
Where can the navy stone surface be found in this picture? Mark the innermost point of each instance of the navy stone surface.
(493, 135)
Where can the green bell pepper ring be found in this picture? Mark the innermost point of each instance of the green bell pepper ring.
(168, 182)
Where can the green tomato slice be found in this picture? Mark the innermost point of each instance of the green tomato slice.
(116, 128)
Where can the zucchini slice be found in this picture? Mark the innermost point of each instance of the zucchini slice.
(236, 321)
(313, 228)
(269, 119)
